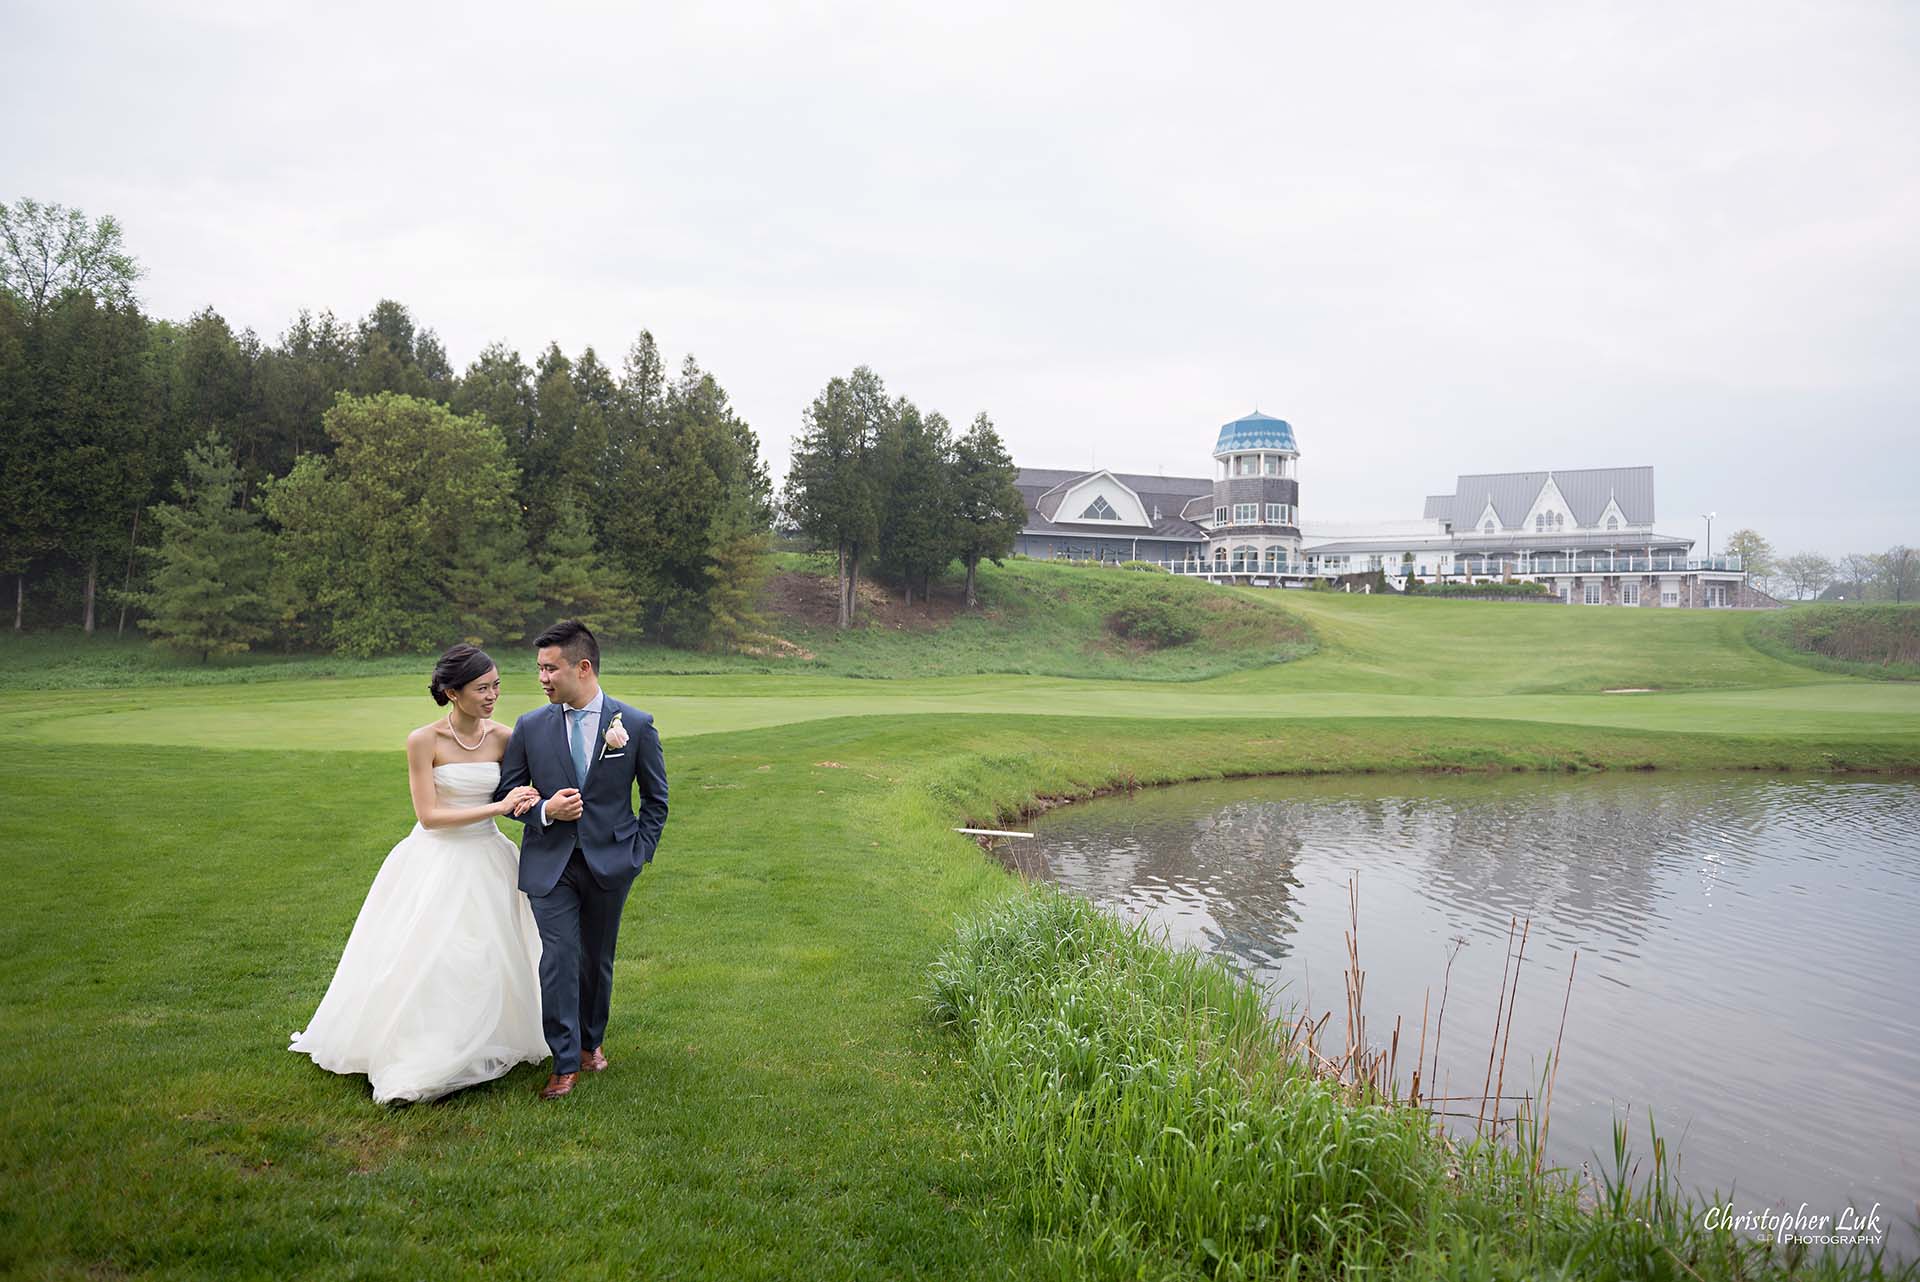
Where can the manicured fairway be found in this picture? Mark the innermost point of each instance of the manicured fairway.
(182, 866)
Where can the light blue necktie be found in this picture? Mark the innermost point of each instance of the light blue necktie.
(577, 740)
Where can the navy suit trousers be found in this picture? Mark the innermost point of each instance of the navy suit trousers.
(579, 921)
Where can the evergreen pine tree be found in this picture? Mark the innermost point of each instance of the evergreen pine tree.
(208, 594)
(738, 566)
(988, 508)
(917, 513)
(576, 583)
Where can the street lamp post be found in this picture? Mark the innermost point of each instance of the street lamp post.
(1708, 518)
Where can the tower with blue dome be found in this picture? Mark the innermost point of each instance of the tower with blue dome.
(1256, 497)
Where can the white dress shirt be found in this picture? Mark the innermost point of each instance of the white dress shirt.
(592, 709)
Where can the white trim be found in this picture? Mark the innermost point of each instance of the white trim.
(1549, 502)
(1081, 492)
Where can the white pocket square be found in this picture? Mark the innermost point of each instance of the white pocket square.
(609, 756)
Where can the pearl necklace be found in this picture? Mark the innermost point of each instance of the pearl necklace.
(470, 747)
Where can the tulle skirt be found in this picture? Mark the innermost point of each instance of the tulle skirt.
(439, 986)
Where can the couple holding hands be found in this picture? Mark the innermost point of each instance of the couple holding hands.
(470, 956)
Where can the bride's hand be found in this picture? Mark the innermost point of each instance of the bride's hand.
(520, 800)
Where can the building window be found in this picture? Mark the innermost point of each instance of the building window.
(1276, 514)
(1219, 516)
(1270, 464)
(1246, 559)
(1100, 510)
(1246, 513)
(1613, 523)
(1592, 596)
(1246, 465)
(1716, 595)
(1669, 597)
(1487, 528)
(1629, 594)
(1271, 560)
(1219, 559)
(1565, 594)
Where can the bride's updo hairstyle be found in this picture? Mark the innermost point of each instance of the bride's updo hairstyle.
(458, 666)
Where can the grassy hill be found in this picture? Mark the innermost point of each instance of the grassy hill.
(184, 863)
(1033, 617)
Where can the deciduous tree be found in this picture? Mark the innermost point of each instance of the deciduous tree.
(408, 537)
(1899, 578)
(1755, 553)
(49, 251)
(1805, 574)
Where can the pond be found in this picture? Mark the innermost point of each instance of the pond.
(1748, 950)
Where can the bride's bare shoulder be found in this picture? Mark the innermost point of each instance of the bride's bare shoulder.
(424, 735)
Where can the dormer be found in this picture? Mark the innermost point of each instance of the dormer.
(1489, 522)
(1098, 498)
(1550, 513)
(1612, 518)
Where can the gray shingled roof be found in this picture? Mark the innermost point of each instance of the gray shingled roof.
(1167, 493)
(1586, 490)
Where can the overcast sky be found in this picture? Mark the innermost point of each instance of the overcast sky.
(1436, 237)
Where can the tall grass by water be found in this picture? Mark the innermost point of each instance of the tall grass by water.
(1153, 1119)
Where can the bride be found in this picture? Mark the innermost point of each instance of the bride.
(439, 986)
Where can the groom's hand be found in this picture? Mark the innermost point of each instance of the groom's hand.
(565, 806)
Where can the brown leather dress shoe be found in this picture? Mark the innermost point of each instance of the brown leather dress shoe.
(594, 1061)
(557, 1085)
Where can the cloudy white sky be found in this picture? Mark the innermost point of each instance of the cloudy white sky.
(1437, 237)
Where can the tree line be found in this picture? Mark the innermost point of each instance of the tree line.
(342, 487)
(1893, 575)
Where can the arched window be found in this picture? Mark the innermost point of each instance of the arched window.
(1613, 523)
(1100, 510)
(1559, 519)
(1246, 559)
(1540, 521)
(1487, 528)
(1271, 560)
(1220, 559)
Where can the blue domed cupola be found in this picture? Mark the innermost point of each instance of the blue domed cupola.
(1256, 492)
(1256, 431)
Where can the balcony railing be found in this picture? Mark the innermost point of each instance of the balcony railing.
(1462, 568)
(1609, 564)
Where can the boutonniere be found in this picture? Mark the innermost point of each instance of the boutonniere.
(616, 736)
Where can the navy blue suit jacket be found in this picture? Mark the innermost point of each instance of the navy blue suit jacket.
(615, 841)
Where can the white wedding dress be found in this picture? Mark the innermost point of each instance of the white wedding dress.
(439, 986)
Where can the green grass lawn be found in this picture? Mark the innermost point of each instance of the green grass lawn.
(183, 863)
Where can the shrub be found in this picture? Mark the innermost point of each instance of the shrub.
(1504, 591)
(1158, 625)
(1868, 640)
(1144, 565)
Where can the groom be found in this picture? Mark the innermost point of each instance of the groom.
(584, 844)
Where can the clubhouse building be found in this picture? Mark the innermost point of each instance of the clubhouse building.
(1588, 533)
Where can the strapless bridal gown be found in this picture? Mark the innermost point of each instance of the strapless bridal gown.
(439, 986)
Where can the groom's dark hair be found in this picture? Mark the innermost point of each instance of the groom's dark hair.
(575, 640)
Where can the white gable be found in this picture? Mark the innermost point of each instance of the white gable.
(1480, 526)
(1614, 514)
(1092, 498)
(1550, 511)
